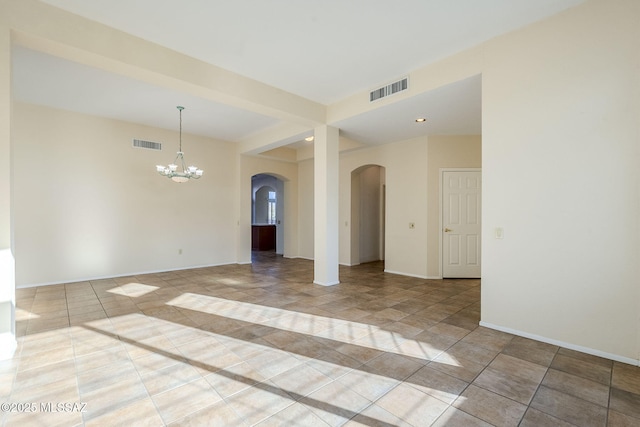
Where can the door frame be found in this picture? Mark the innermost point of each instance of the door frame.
(440, 214)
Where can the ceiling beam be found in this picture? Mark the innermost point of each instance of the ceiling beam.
(45, 28)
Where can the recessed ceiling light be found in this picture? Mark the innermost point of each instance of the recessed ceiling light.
(309, 138)
(420, 120)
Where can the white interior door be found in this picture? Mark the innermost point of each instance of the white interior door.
(461, 207)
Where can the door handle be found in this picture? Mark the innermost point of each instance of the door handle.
(446, 230)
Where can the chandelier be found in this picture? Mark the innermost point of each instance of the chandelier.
(185, 173)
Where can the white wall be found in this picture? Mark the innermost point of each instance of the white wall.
(88, 204)
(561, 156)
(7, 262)
(405, 166)
(450, 151)
(306, 204)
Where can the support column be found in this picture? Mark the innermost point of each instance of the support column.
(7, 264)
(326, 188)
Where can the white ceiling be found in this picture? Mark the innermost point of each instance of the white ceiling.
(323, 50)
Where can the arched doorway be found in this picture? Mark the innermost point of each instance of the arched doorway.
(368, 199)
(267, 213)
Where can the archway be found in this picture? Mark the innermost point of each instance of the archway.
(267, 213)
(368, 199)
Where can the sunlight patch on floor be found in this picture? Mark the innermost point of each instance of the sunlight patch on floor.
(133, 290)
(343, 331)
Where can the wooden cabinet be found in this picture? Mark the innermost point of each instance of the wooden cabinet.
(263, 237)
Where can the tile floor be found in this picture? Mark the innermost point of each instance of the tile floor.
(260, 345)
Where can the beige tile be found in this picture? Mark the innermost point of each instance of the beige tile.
(176, 375)
(44, 358)
(185, 400)
(412, 405)
(375, 416)
(43, 418)
(535, 418)
(296, 414)
(346, 333)
(530, 350)
(39, 343)
(586, 357)
(333, 364)
(625, 402)
(510, 386)
(582, 368)
(453, 417)
(518, 367)
(258, 403)
(102, 358)
(6, 384)
(300, 380)
(381, 340)
(617, 419)
(157, 361)
(101, 401)
(488, 338)
(270, 363)
(45, 376)
(464, 369)
(419, 350)
(490, 407)
(626, 377)
(80, 319)
(449, 330)
(569, 408)
(158, 344)
(234, 379)
(437, 384)
(91, 343)
(577, 386)
(335, 403)
(393, 366)
(86, 307)
(42, 325)
(65, 390)
(467, 351)
(217, 414)
(96, 379)
(368, 385)
(359, 353)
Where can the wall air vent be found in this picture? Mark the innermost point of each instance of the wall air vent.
(389, 89)
(149, 145)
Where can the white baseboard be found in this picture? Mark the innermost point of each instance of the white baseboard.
(300, 257)
(593, 352)
(406, 274)
(87, 279)
(8, 345)
(326, 284)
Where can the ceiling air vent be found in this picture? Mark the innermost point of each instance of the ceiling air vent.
(389, 89)
(149, 145)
